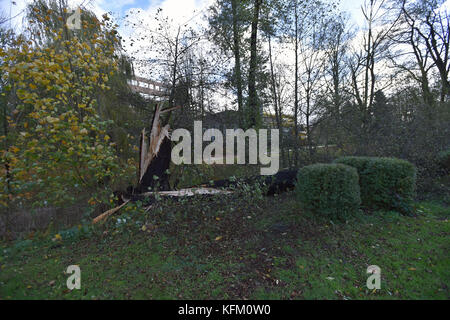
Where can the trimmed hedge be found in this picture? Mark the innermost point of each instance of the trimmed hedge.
(330, 190)
(444, 159)
(385, 183)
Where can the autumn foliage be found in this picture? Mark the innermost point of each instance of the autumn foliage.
(55, 146)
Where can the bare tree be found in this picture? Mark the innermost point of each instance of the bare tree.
(167, 46)
(337, 72)
(312, 64)
(427, 32)
(363, 64)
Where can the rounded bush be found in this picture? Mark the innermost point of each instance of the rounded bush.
(330, 190)
(444, 159)
(385, 183)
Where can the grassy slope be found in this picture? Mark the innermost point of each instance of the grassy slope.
(241, 246)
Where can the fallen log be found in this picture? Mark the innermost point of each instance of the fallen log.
(149, 198)
(189, 192)
(282, 181)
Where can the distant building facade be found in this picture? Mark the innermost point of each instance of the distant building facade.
(149, 88)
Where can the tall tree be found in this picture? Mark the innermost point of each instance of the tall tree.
(254, 109)
(363, 65)
(229, 20)
(336, 72)
(237, 54)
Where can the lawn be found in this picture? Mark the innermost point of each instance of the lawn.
(240, 246)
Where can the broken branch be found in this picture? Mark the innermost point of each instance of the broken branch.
(108, 213)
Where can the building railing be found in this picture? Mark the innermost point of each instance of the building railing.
(148, 87)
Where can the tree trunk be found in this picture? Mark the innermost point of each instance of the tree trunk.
(174, 71)
(296, 88)
(156, 177)
(278, 114)
(253, 111)
(237, 58)
(155, 156)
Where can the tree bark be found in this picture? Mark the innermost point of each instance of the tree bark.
(237, 58)
(296, 87)
(155, 156)
(252, 94)
(278, 115)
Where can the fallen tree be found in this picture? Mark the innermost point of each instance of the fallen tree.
(281, 182)
(153, 181)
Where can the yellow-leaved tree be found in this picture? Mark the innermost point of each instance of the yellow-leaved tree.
(58, 151)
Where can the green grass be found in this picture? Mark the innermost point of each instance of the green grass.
(235, 247)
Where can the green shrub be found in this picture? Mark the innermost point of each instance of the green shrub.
(444, 159)
(385, 183)
(330, 190)
(360, 163)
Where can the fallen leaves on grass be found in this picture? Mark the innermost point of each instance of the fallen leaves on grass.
(57, 237)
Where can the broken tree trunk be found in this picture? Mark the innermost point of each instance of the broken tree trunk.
(154, 162)
(155, 155)
(155, 176)
(283, 181)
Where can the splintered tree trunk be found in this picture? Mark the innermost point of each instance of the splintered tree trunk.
(155, 156)
(156, 177)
